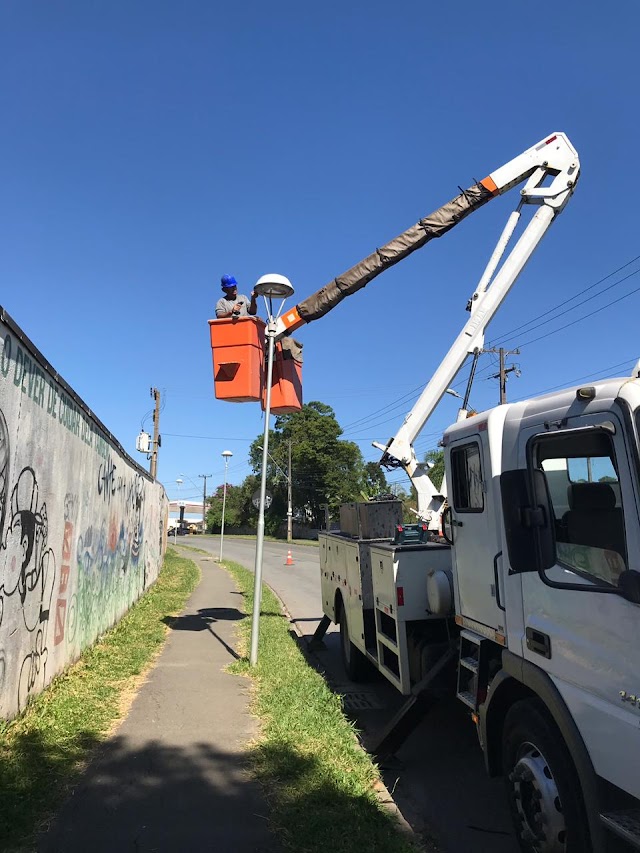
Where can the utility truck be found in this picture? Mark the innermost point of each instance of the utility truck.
(529, 610)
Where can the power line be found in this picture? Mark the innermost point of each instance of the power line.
(575, 296)
(365, 421)
(505, 339)
(580, 319)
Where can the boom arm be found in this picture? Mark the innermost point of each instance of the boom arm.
(554, 155)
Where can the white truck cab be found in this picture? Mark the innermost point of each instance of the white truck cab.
(544, 525)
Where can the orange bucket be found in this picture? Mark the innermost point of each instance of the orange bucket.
(237, 346)
(286, 383)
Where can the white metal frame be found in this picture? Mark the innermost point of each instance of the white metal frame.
(553, 158)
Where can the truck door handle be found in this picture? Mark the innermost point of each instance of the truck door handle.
(496, 580)
(538, 642)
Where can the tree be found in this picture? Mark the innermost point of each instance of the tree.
(325, 468)
(234, 510)
(375, 481)
(436, 473)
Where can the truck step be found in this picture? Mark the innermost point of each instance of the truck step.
(468, 698)
(625, 824)
(469, 663)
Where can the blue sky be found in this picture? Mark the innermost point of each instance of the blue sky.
(149, 147)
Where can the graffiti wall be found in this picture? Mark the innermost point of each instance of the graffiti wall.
(82, 526)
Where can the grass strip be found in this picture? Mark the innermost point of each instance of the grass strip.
(43, 751)
(317, 778)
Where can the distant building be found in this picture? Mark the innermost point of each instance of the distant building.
(189, 511)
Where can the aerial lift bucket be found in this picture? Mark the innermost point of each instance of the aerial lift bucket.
(237, 345)
(286, 381)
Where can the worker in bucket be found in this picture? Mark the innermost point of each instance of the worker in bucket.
(233, 304)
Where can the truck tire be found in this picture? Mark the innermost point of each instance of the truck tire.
(353, 661)
(544, 791)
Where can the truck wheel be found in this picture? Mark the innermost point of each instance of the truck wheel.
(542, 784)
(353, 661)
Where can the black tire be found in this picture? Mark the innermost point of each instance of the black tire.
(354, 662)
(543, 787)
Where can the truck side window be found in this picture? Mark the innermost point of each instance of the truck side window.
(581, 473)
(468, 488)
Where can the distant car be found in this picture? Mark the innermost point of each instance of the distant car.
(183, 531)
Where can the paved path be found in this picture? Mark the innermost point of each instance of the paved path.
(437, 777)
(174, 777)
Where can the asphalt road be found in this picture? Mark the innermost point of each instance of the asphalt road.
(437, 777)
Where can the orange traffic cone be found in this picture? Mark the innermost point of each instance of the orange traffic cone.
(289, 559)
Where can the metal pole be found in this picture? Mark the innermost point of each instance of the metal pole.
(503, 379)
(204, 501)
(257, 585)
(224, 502)
(153, 468)
(289, 508)
(175, 537)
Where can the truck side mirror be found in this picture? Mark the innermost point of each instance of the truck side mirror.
(629, 585)
(528, 520)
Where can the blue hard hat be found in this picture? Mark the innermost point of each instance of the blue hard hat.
(228, 281)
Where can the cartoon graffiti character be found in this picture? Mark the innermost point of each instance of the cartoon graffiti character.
(137, 520)
(123, 550)
(29, 575)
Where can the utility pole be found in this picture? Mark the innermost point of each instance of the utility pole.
(289, 507)
(204, 501)
(153, 468)
(502, 375)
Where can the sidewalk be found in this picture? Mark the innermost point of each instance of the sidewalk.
(174, 776)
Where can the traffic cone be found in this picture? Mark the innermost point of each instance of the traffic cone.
(289, 559)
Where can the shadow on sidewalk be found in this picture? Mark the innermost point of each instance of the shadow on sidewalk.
(154, 797)
(203, 620)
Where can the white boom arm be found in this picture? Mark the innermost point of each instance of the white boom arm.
(555, 158)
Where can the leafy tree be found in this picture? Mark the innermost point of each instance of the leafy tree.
(233, 512)
(375, 481)
(436, 473)
(325, 469)
(409, 502)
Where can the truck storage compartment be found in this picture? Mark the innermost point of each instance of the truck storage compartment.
(238, 358)
(371, 519)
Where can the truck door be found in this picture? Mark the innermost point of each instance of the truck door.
(588, 642)
(474, 530)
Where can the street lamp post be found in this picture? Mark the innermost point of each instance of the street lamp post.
(226, 454)
(178, 484)
(270, 286)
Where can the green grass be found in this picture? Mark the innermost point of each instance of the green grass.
(43, 751)
(318, 780)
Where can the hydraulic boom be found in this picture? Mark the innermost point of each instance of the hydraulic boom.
(551, 169)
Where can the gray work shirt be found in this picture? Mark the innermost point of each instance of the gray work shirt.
(224, 306)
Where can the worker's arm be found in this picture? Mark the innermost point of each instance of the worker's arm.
(221, 309)
(253, 305)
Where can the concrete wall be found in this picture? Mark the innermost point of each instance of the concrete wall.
(82, 526)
